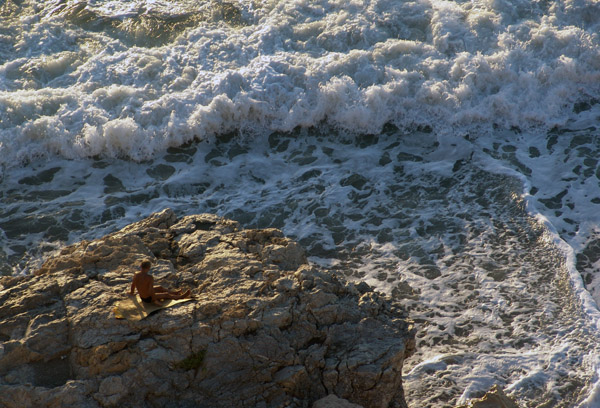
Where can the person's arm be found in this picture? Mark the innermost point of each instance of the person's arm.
(132, 290)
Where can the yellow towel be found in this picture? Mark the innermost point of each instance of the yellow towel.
(133, 309)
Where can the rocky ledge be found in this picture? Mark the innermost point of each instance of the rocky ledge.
(266, 329)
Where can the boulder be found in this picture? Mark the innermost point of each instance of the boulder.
(266, 329)
(494, 398)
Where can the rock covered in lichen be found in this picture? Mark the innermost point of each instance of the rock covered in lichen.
(266, 328)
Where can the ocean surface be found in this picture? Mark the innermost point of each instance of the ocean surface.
(445, 152)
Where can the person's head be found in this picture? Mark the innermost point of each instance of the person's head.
(145, 266)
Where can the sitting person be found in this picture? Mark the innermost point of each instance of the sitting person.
(144, 282)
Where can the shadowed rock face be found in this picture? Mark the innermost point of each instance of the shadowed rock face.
(267, 329)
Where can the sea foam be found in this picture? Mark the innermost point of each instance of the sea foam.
(74, 91)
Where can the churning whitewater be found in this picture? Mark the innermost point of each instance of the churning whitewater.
(445, 152)
(129, 79)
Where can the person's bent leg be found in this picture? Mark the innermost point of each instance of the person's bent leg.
(162, 289)
(167, 295)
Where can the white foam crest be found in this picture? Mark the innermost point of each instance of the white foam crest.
(356, 66)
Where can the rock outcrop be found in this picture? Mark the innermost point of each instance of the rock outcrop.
(266, 330)
(495, 398)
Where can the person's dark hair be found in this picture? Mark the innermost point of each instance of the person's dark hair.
(146, 264)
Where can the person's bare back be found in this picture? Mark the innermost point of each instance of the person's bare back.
(144, 284)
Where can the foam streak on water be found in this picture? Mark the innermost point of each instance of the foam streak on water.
(445, 152)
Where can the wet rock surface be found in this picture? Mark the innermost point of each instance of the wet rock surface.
(266, 329)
